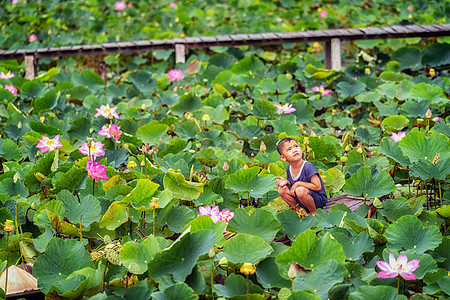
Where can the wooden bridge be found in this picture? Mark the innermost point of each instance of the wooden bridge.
(331, 37)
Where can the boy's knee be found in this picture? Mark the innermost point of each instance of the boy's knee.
(282, 190)
(301, 191)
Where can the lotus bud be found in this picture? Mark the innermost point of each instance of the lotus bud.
(143, 163)
(432, 72)
(428, 114)
(212, 253)
(245, 166)
(19, 125)
(367, 71)
(359, 150)
(247, 269)
(126, 147)
(42, 119)
(225, 167)
(262, 147)
(143, 106)
(8, 226)
(223, 262)
(292, 273)
(344, 158)
(39, 176)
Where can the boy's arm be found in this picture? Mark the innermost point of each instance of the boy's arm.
(281, 181)
(315, 184)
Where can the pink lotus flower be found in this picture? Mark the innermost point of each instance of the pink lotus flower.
(428, 114)
(45, 144)
(129, 5)
(173, 5)
(96, 171)
(7, 75)
(32, 38)
(285, 109)
(217, 216)
(106, 111)
(111, 131)
(323, 13)
(410, 8)
(120, 5)
(321, 90)
(397, 136)
(92, 149)
(14, 1)
(175, 75)
(436, 119)
(11, 88)
(399, 266)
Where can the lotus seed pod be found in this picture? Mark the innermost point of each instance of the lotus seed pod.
(112, 255)
(284, 293)
(107, 239)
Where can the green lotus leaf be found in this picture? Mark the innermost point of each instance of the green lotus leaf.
(409, 233)
(87, 211)
(151, 132)
(303, 295)
(260, 223)
(398, 91)
(394, 123)
(175, 217)
(138, 254)
(79, 92)
(394, 209)
(391, 76)
(442, 127)
(186, 103)
(355, 247)
(144, 190)
(88, 79)
(417, 146)
(70, 180)
(248, 180)
(205, 222)
(276, 170)
(331, 219)
(282, 85)
(368, 135)
(350, 89)
(443, 212)
(44, 77)
(388, 109)
(71, 287)
(317, 73)
(50, 268)
(80, 128)
(294, 226)
(6, 95)
(116, 215)
(415, 109)
(249, 64)
(376, 231)
(182, 189)
(218, 114)
(436, 55)
(46, 103)
(425, 91)
(12, 188)
(180, 258)
(409, 57)
(343, 122)
(368, 97)
(33, 88)
(304, 112)
(61, 226)
(425, 169)
(176, 291)
(287, 126)
(268, 276)
(143, 81)
(365, 292)
(43, 166)
(392, 149)
(236, 285)
(237, 249)
(310, 252)
(94, 276)
(45, 129)
(321, 279)
(369, 184)
(334, 180)
(264, 109)
(355, 222)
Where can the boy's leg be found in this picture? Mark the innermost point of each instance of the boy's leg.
(307, 200)
(286, 196)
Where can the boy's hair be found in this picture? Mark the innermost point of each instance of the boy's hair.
(281, 144)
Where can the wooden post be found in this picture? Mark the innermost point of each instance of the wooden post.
(333, 54)
(30, 67)
(180, 53)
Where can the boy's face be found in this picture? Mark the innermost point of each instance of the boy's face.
(291, 152)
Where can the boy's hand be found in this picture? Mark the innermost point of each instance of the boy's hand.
(280, 182)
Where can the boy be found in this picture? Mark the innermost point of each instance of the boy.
(303, 186)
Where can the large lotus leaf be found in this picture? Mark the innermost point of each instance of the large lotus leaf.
(236, 285)
(70, 180)
(317, 73)
(282, 85)
(187, 102)
(175, 217)
(237, 249)
(88, 79)
(61, 226)
(176, 291)
(87, 211)
(260, 223)
(393, 76)
(61, 258)
(394, 123)
(414, 109)
(409, 233)
(34, 88)
(287, 126)
(294, 226)
(142, 292)
(442, 127)
(350, 89)
(264, 109)
(45, 128)
(151, 132)
(136, 255)
(80, 128)
(442, 250)
(144, 190)
(394, 209)
(248, 180)
(8, 186)
(79, 92)
(182, 255)
(388, 109)
(143, 81)
(368, 135)
(303, 295)
(368, 97)
(95, 279)
(205, 222)
(6, 95)
(304, 112)
(392, 149)
(310, 252)
(384, 292)
(416, 145)
(321, 279)
(268, 276)
(250, 64)
(425, 91)
(355, 247)
(44, 77)
(376, 231)
(181, 188)
(408, 57)
(45, 103)
(116, 215)
(43, 166)
(436, 55)
(369, 184)
(70, 287)
(218, 114)
(425, 169)
(398, 91)
(334, 180)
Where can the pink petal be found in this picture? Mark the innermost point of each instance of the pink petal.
(384, 266)
(315, 89)
(412, 265)
(387, 274)
(408, 275)
(392, 260)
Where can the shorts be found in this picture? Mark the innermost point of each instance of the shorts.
(319, 200)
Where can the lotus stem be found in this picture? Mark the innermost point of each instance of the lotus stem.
(440, 192)
(104, 277)
(398, 285)
(248, 289)
(6, 279)
(93, 187)
(212, 278)
(248, 199)
(154, 225)
(17, 231)
(293, 289)
(81, 232)
(145, 161)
